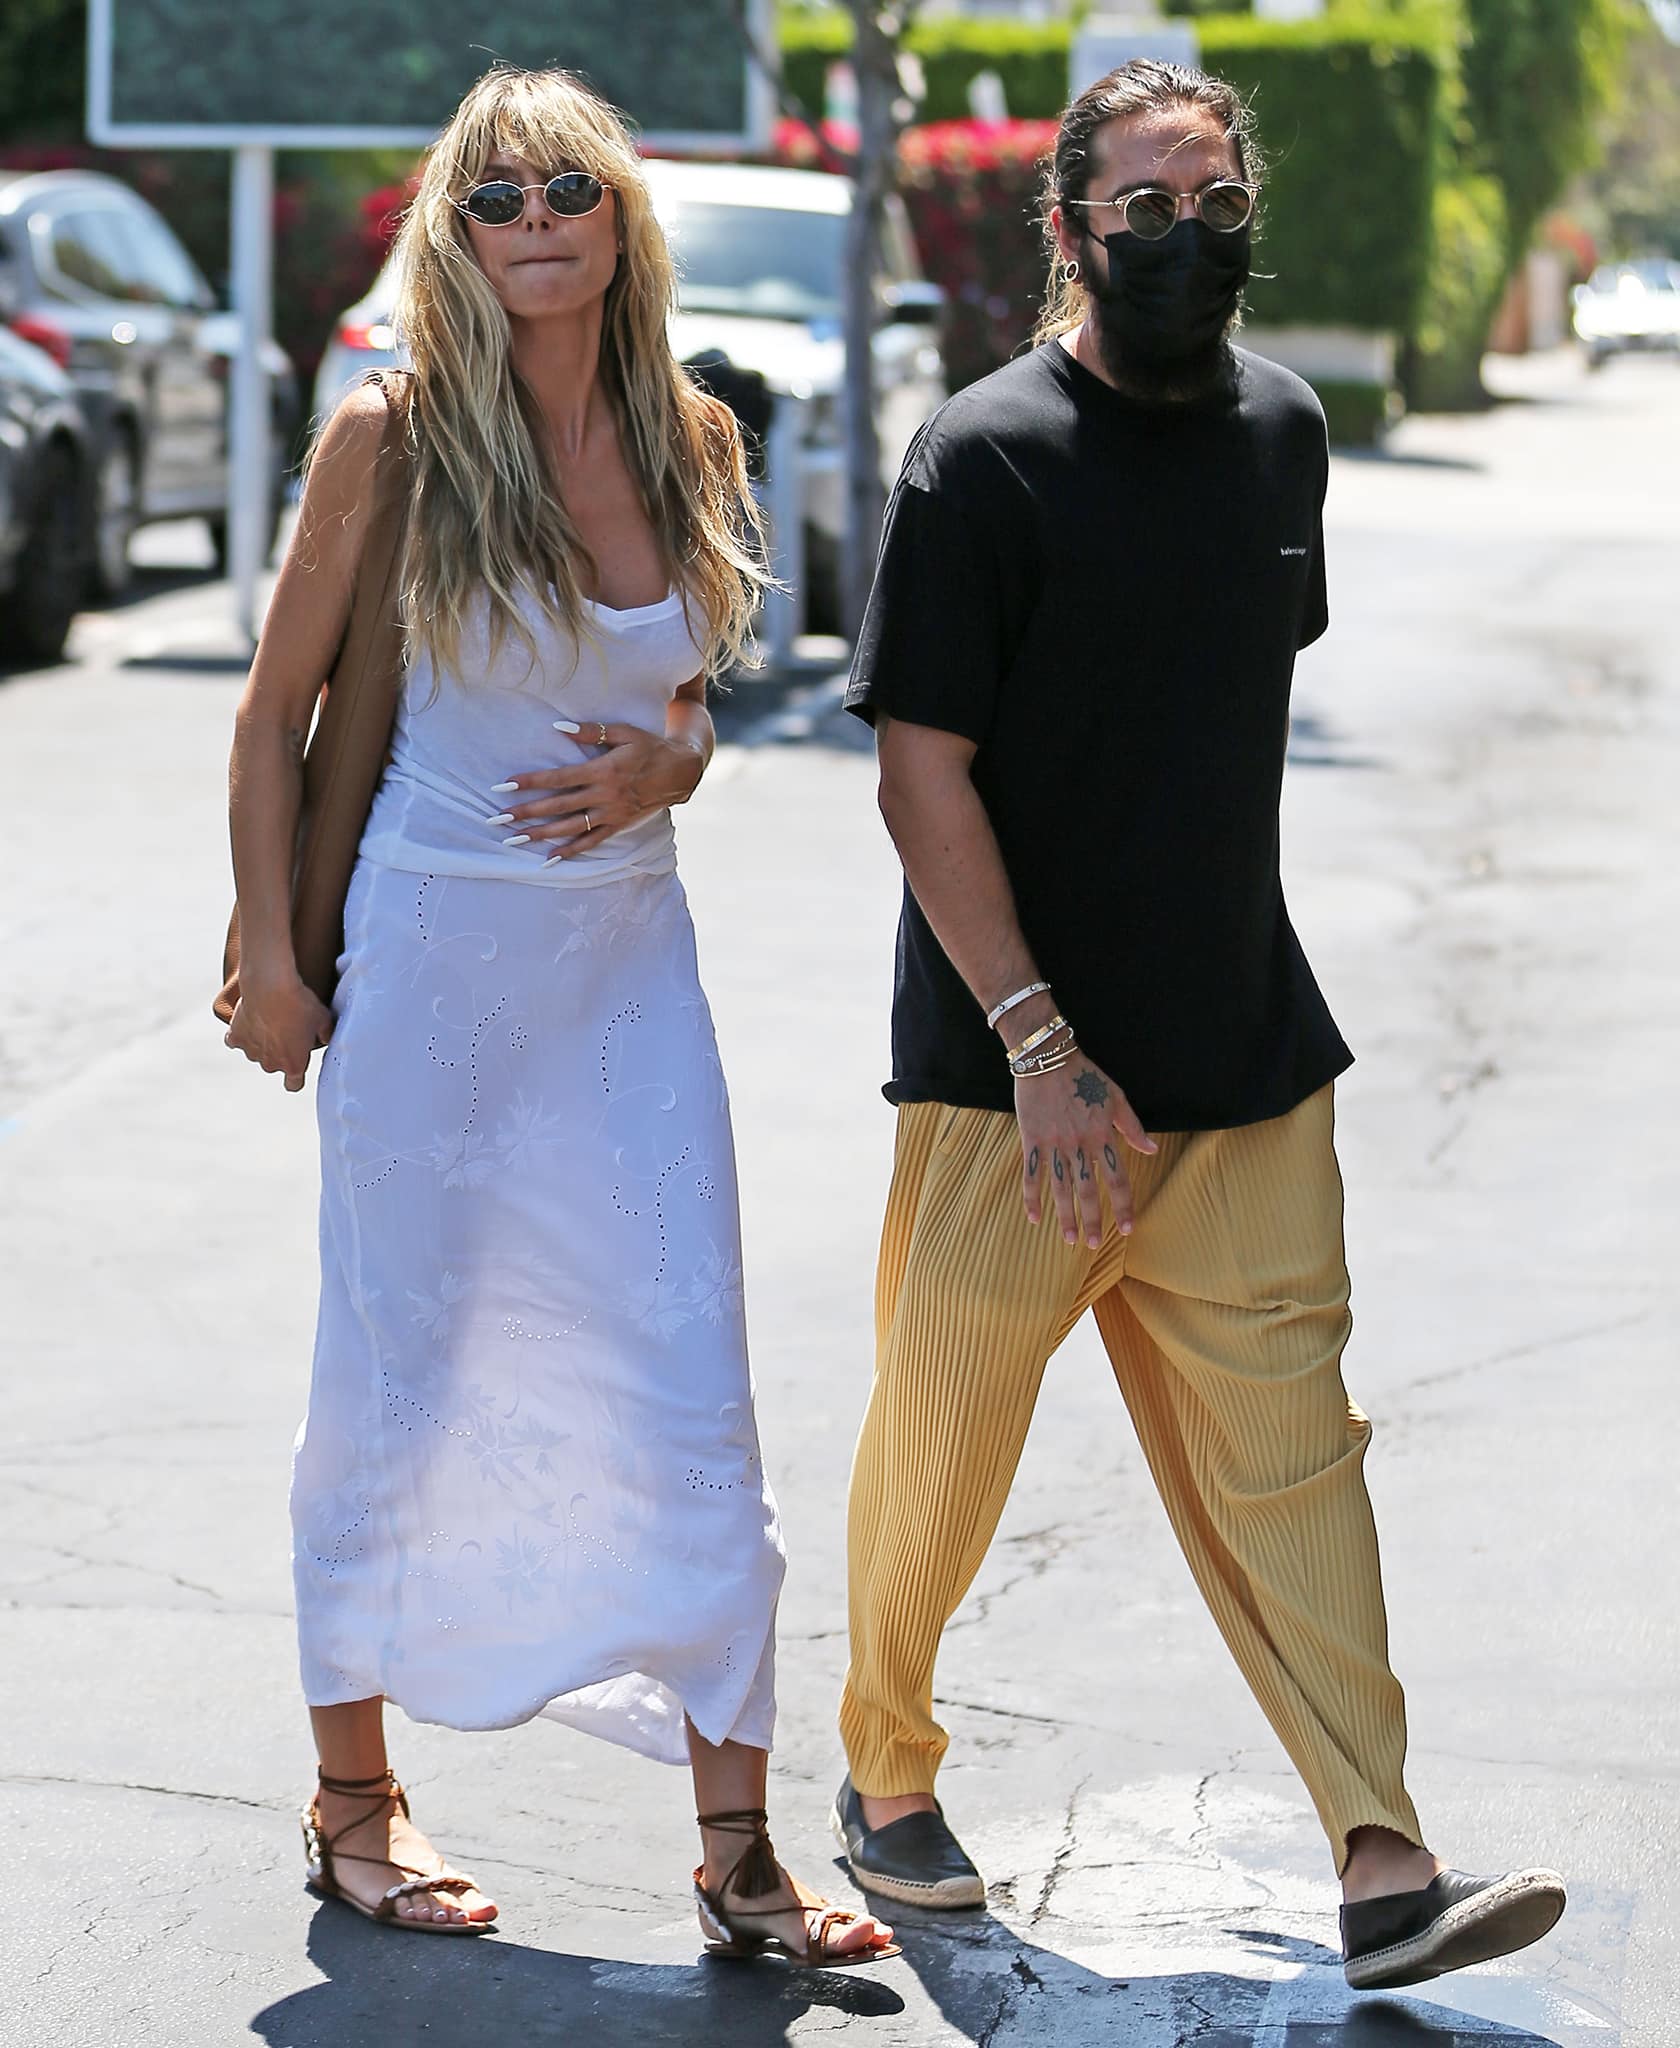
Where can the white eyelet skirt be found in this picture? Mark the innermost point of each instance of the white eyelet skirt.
(529, 1481)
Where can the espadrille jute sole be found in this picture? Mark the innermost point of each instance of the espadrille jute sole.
(1507, 1916)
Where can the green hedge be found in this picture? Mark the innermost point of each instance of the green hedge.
(1468, 269)
(1032, 61)
(1349, 112)
(1354, 414)
(1349, 120)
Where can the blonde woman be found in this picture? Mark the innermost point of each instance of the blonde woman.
(529, 1481)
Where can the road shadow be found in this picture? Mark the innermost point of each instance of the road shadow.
(1380, 457)
(797, 706)
(1315, 743)
(147, 583)
(387, 1989)
(191, 664)
(992, 1985)
(986, 1981)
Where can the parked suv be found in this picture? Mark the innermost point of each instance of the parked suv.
(93, 275)
(760, 256)
(45, 537)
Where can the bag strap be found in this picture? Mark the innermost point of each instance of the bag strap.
(346, 752)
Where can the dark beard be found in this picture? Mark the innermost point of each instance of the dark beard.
(1192, 380)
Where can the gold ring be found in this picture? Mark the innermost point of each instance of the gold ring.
(586, 824)
(602, 741)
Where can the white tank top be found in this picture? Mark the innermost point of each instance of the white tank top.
(460, 731)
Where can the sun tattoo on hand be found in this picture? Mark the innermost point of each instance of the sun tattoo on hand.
(1091, 1088)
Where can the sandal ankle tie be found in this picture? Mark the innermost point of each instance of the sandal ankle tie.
(756, 1873)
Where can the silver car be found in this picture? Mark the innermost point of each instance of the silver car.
(760, 251)
(44, 527)
(1628, 308)
(94, 276)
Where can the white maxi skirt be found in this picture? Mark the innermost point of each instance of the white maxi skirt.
(529, 1481)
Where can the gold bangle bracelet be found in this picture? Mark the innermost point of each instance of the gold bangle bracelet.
(1038, 1038)
(1061, 1042)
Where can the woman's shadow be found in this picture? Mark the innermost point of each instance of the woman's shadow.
(388, 1989)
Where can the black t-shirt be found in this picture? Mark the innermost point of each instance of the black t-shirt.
(1107, 599)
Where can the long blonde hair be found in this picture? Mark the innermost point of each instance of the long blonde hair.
(488, 519)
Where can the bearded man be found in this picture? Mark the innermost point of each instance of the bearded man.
(1098, 567)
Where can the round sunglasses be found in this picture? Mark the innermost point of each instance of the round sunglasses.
(500, 202)
(1150, 211)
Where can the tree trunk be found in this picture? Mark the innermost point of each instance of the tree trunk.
(875, 62)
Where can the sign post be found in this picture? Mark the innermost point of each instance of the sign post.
(250, 459)
(315, 74)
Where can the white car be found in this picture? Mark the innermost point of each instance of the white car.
(760, 252)
(1627, 307)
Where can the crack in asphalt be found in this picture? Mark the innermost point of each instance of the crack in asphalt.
(1055, 1541)
(1022, 1982)
(131, 1785)
(1531, 1350)
(1198, 1806)
(1003, 1713)
(81, 1560)
(1059, 1863)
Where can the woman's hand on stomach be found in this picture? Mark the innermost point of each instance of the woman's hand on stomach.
(568, 810)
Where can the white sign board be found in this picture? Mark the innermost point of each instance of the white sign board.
(1106, 41)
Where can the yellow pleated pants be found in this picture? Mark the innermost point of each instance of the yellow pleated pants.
(1224, 1315)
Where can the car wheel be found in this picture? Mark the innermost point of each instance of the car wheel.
(218, 521)
(822, 582)
(116, 513)
(35, 614)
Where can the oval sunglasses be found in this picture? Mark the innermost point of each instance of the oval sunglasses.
(500, 202)
(1151, 211)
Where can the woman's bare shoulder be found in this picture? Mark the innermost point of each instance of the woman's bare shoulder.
(338, 492)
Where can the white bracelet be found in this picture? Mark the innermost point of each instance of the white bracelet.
(1037, 988)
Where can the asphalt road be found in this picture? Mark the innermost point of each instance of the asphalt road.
(1480, 845)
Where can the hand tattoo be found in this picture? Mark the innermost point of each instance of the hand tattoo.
(1056, 1162)
(1112, 1158)
(1091, 1088)
(1032, 1164)
(1084, 1169)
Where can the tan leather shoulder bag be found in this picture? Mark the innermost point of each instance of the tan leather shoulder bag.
(346, 752)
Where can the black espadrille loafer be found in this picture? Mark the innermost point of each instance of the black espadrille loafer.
(1409, 1937)
(916, 1861)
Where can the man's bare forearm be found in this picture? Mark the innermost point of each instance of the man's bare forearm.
(955, 870)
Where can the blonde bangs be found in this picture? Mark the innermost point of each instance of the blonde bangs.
(489, 521)
(556, 132)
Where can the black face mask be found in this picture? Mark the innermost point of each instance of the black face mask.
(1170, 302)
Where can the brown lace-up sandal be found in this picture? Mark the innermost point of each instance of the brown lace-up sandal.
(320, 1849)
(757, 1874)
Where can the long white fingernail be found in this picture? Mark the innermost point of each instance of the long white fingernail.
(552, 858)
(518, 839)
(566, 725)
(502, 788)
(502, 818)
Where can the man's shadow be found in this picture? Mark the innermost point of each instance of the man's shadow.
(386, 1988)
(992, 1985)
